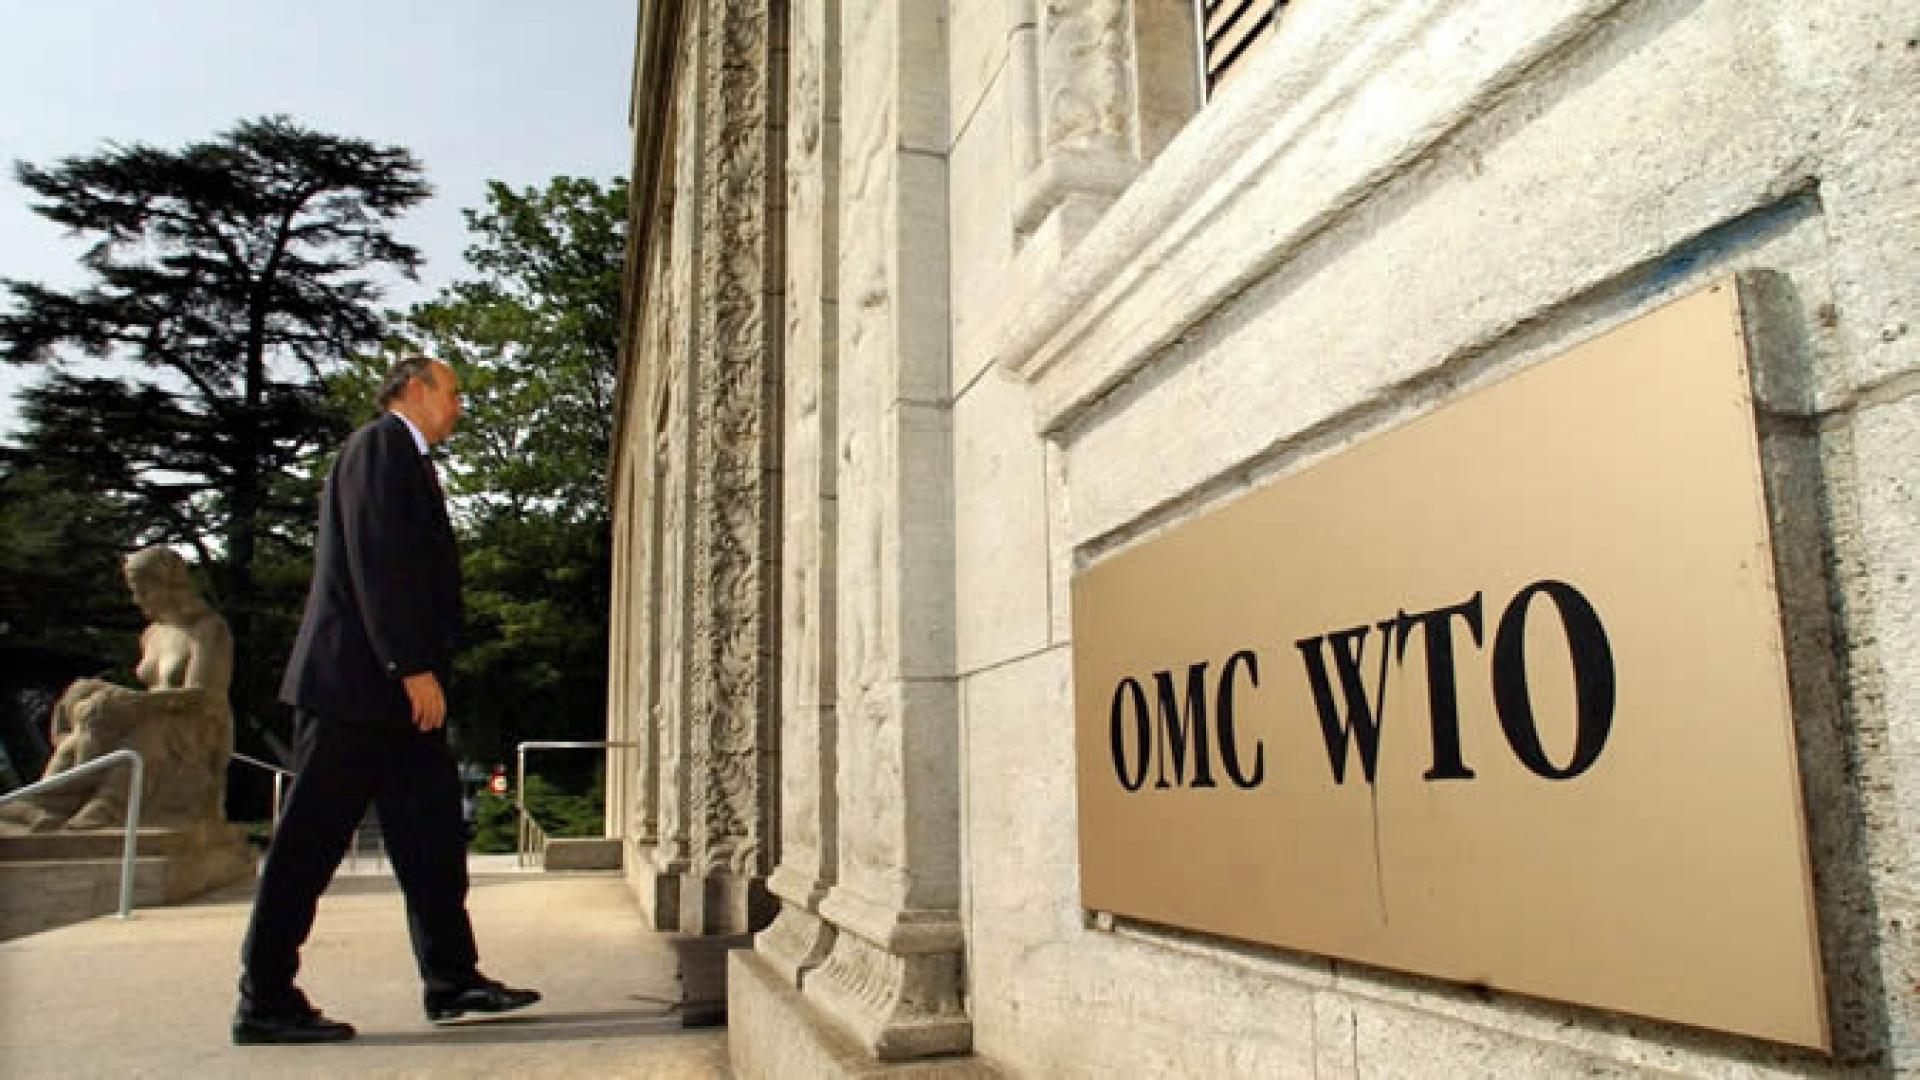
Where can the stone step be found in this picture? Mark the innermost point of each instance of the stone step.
(108, 843)
(576, 853)
(40, 894)
(22, 878)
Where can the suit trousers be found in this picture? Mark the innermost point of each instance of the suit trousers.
(410, 777)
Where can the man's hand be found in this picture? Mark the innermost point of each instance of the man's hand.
(429, 704)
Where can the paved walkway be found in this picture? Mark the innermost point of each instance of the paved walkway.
(153, 996)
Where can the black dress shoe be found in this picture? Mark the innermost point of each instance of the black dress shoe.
(301, 1025)
(483, 995)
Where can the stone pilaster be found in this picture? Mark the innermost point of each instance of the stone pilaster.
(665, 342)
(623, 633)
(732, 653)
(638, 614)
(892, 978)
(798, 940)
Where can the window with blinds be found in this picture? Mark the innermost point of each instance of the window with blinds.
(1231, 32)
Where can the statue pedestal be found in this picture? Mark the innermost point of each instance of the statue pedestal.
(55, 878)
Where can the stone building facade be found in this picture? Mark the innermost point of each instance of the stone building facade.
(934, 304)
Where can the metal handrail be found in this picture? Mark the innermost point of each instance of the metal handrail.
(522, 835)
(279, 779)
(136, 784)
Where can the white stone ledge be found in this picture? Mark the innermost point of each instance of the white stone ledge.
(1347, 97)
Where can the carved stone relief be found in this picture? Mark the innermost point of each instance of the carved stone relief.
(808, 550)
(865, 397)
(647, 533)
(731, 652)
(864, 393)
(1077, 122)
(669, 706)
(1089, 95)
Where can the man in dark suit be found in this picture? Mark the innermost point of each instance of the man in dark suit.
(367, 681)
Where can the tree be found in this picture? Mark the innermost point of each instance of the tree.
(187, 377)
(64, 607)
(62, 593)
(538, 334)
(535, 337)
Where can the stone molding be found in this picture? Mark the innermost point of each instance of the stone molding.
(899, 1003)
(798, 941)
(1289, 123)
(897, 929)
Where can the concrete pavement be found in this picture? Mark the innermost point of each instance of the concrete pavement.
(153, 996)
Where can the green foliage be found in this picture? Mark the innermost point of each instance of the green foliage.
(558, 810)
(533, 665)
(61, 588)
(64, 608)
(536, 338)
(185, 382)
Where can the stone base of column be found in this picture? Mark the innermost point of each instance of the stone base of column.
(655, 887)
(724, 904)
(897, 1005)
(774, 1032)
(796, 944)
(702, 971)
(892, 978)
(799, 939)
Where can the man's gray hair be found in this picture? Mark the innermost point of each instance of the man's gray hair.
(400, 374)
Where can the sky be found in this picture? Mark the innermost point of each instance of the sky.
(478, 89)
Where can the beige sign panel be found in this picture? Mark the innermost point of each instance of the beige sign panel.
(1498, 696)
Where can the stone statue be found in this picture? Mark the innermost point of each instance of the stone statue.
(181, 724)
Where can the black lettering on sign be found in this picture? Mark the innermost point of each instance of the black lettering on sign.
(1229, 747)
(1362, 720)
(1129, 692)
(1351, 720)
(1443, 704)
(1592, 679)
(1178, 725)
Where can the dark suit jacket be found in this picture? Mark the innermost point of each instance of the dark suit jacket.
(385, 600)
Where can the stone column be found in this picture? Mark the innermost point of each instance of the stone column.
(662, 875)
(892, 979)
(732, 651)
(798, 940)
(623, 631)
(670, 343)
(641, 603)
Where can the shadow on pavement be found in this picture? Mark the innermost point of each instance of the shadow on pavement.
(535, 1028)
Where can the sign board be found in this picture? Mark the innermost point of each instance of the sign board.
(1499, 696)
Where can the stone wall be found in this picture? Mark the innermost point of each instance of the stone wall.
(1399, 203)
(1035, 304)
